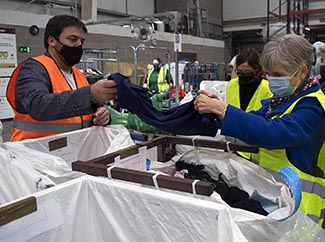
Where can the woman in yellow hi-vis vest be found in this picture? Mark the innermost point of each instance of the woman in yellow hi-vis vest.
(158, 78)
(289, 128)
(248, 89)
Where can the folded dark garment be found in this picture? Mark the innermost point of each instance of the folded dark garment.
(182, 120)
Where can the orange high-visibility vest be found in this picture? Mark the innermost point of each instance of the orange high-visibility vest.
(24, 126)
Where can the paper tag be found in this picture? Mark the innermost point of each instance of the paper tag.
(134, 162)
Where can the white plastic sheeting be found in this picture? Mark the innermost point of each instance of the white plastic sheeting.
(29, 166)
(85, 144)
(19, 177)
(279, 225)
(218, 88)
(98, 209)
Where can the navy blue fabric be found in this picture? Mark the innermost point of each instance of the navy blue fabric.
(182, 120)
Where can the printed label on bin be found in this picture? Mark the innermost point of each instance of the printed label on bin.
(134, 162)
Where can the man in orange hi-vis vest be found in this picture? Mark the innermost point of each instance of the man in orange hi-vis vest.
(49, 94)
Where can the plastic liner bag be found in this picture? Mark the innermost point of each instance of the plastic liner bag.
(1, 130)
(84, 144)
(297, 228)
(20, 171)
(98, 209)
(218, 88)
(282, 224)
(32, 165)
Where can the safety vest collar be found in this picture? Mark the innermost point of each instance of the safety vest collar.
(262, 92)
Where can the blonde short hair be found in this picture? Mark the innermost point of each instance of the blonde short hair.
(289, 51)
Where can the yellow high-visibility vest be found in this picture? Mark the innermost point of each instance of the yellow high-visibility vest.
(233, 97)
(313, 188)
(161, 82)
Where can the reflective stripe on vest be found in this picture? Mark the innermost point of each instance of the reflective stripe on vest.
(317, 191)
(49, 127)
(161, 82)
(233, 97)
(25, 126)
(313, 188)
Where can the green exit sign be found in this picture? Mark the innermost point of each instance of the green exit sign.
(24, 49)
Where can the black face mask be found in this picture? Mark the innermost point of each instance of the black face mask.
(245, 77)
(72, 55)
(156, 67)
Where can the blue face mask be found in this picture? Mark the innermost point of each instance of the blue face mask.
(280, 85)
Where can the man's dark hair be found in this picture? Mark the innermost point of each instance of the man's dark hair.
(55, 26)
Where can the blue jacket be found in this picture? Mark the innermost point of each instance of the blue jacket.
(301, 132)
(183, 120)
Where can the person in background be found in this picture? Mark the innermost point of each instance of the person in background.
(321, 52)
(1, 130)
(48, 94)
(231, 69)
(158, 78)
(289, 128)
(247, 89)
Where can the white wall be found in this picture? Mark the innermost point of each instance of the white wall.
(236, 9)
(27, 19)
(112, 5)
(132, 7)
(141, 8)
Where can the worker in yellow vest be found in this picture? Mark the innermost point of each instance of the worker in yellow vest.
(289, 128)
(247, 89)
(158, 78)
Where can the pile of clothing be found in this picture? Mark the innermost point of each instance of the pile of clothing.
(233, 196)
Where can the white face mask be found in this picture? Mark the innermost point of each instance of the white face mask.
(280, 85)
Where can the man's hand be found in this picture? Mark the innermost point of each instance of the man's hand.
(103, 91)
(102, 117)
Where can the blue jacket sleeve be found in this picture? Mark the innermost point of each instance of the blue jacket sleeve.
(291, 130)
(182, 120)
